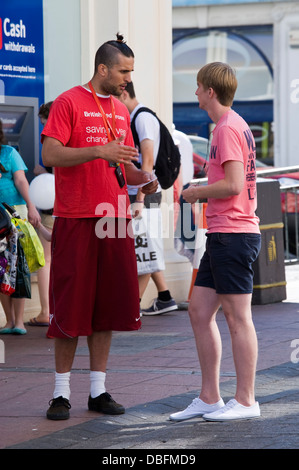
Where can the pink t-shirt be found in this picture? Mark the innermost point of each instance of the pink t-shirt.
(233, 140)
(89, 189)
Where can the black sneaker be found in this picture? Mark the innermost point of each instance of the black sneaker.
(59, 409)
(160, 306)
(104, 403)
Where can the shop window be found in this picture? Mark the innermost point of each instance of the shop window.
(249, 50)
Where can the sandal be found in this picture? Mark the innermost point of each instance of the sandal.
(35, 322)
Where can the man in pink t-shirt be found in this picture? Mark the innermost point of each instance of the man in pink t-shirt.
(93, 281)
(225, 275)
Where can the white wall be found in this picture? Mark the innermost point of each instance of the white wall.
(147, 28)
(74, 29)
(286, 76)
(62, 46)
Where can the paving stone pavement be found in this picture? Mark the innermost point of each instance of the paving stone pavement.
(147, 426)
(155, 372)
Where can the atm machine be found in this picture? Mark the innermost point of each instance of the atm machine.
(20, 122)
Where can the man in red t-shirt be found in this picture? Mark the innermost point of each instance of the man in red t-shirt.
(93, 282)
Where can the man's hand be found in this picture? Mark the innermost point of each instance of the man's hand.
(134, 176)
(33, 215)
(136, 209)
(150, 188)
(191, 194)
(116, 153)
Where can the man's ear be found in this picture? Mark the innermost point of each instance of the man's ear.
(102, 70)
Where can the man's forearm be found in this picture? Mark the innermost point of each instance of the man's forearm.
(56, 155)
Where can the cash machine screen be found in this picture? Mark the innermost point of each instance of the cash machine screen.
(12, 122)
(19, 118)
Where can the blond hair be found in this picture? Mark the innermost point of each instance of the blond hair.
(222, 78)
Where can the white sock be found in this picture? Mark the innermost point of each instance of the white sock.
(62, 385)
(97, 383)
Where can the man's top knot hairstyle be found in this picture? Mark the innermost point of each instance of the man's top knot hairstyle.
(120, 38)
(108, 52)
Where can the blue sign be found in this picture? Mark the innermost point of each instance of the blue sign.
(22, 48)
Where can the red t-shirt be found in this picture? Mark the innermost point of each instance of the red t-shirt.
(89, 189)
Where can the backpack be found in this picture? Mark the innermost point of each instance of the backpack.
(168, 160)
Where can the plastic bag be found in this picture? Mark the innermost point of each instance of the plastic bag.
(23, 283)
(8, 282)
(29, 239)
(149, 246)
(30, 243)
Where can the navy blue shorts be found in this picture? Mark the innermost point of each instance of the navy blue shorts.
(226, 265)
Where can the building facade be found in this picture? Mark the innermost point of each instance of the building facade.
(260, 39)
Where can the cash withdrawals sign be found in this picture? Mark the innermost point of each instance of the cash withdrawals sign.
(21, 49)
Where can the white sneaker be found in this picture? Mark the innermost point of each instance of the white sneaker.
(234, 410)
(196, 408)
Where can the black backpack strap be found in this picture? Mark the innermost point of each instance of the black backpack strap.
(143, 109)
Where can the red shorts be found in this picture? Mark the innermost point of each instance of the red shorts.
(93, 281)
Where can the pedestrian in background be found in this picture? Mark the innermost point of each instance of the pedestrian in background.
(148, 132)
(14, 190)
(43, 274)
(184, 234)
